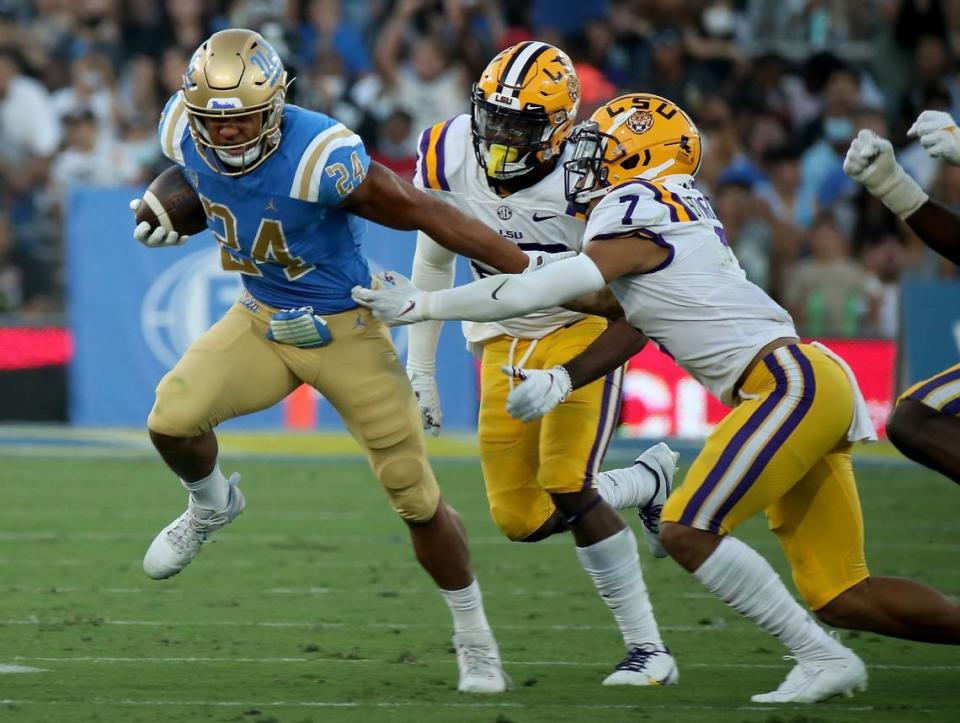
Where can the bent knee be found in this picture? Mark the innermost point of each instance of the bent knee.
(906, 427)
(845, 610)
(514, 527)
(674, 537)
(176, 413)
(409, 483)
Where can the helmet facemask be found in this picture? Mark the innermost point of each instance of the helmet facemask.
(510, 143)
(585, 175)
(223, 158)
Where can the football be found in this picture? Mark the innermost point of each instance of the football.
(171, 202)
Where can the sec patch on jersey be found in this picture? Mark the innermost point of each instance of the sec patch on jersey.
(172, 203)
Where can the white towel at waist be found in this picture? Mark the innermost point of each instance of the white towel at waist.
(861, 428)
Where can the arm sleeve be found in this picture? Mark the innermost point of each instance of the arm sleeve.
(434, 268)
(508, 295)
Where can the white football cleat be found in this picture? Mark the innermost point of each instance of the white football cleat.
(645, 665)
(180, 541)
(812, 681)
(479, 661)
(662, 462)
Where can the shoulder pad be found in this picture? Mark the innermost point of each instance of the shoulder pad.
(173, 126)
(440, 153)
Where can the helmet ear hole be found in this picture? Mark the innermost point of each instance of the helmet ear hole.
(631, 162)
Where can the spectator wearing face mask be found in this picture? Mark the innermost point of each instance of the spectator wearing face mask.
(841, 97)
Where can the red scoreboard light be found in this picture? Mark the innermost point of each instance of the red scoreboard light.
(661, 400)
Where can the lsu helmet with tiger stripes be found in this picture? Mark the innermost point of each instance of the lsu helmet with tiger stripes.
(524, 107)
(235, 72)
(638, 135)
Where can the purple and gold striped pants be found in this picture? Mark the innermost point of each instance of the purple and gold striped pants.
(783, 450)
(523, 463)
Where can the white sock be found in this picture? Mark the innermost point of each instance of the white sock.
(745, 581)
(614, 566)
(627, 487)
(466, 606)
(211, 492)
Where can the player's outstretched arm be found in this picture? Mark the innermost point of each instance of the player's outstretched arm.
(387, 199)
(495, 298)
(870, 161)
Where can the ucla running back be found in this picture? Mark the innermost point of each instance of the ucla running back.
(285, 192)
(783, 449)
(504, 166)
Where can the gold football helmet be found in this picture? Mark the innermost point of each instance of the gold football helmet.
(635, 135)
(524, 106)
(235, 72)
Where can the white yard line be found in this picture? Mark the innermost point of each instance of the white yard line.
(433, 661)
(718, 626)
(5, 669)
(348, 539)
(317, 590)
(645, 706)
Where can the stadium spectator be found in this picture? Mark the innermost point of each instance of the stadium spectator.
(884, 258)
(755, 75)
(24, 283)
(827, 292)
(25, 148)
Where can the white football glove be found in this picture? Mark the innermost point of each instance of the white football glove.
(938, 134)
(539, 391)
(870, 161)
(391, 298)
(428, 399)
(154, 236)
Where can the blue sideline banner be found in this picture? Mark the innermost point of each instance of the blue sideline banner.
(134, 311)
(931, 329)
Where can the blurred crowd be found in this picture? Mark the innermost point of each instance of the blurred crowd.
(778, 90)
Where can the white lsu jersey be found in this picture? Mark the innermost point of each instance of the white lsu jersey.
(537, 218)
(698, 305)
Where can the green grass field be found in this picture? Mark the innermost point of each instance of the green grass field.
(311, 608)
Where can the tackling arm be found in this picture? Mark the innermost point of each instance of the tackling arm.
(385, 198)
(613, 348)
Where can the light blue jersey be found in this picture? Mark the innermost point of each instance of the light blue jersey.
(279, 224)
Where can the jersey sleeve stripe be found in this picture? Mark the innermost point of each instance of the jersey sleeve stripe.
(441, 165)
(432, 159)
(422, 164)
(690, 216)
(308, 165)
(172, 128)
(677, 211)
(334, 142)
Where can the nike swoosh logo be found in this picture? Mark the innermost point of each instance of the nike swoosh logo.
(537, 217)
(494, 294)
(409, 307)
